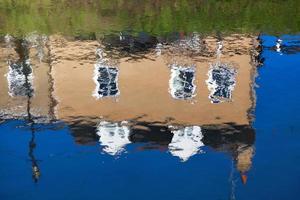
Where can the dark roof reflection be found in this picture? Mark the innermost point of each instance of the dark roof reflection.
(153, 136)
(129, 45)
(225, 138)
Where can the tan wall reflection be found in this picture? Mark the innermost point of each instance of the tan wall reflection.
(144, 85)
(16, 106)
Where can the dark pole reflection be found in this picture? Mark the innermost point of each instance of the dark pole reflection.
(22, 49)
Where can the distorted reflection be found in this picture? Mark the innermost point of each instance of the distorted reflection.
(186, 142)
(151, 136)
(38, 42)
(192, 42)
(146, 118)
(278, 45)
(221, 82)
(244, 160)
(105, 77)
(19, 76)
(182, 82)
(219, 48)
(113, 136)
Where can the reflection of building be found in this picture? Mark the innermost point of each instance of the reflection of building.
(152, 82)
(24, 72)
(182, 142)
(148, 86)
(143, 82)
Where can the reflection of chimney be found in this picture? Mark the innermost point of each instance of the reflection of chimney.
(186, 142)
(244, 161)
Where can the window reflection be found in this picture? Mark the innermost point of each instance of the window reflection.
(221, 82)
(186, 142)
(105, 77)
(181, 84)
(19, 76)
(113, 136)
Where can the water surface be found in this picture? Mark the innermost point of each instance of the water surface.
(150, 106)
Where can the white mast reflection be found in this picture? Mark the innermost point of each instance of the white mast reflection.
(186, 142)
(278, 46)
(113, 136)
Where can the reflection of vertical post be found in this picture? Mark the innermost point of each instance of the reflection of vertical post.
(35, 168)
(53, 101)
(219, 46)
(23, 52)
(232, 182)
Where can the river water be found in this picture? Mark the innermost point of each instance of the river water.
(149, 115)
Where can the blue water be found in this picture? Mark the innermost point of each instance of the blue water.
(72, 171)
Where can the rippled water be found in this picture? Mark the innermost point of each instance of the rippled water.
(138, 114)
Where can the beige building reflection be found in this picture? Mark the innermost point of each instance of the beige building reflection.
(148, 85)
(193, 83)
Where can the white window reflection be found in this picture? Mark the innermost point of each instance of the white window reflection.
(20, 79)
(221, 82)
(113, 136)
(181, 84)
(186, 142)
(106, 77)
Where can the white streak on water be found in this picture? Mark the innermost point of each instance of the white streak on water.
(278, 46)
(186, 142)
